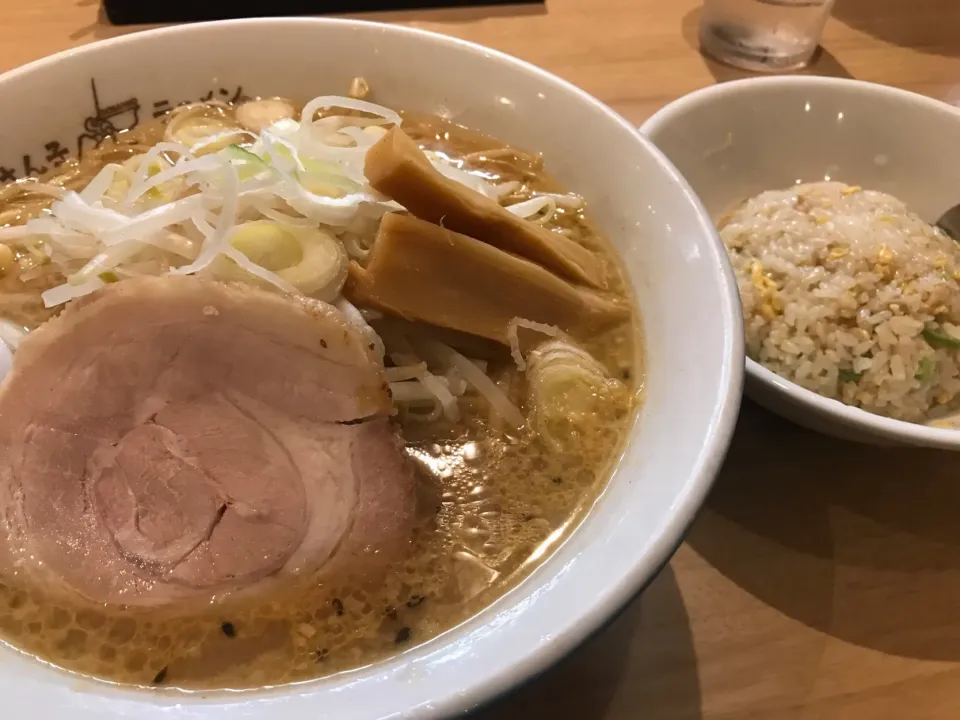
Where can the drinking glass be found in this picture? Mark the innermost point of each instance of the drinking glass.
(763, 35)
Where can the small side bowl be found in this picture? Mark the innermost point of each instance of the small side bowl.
(735, 140)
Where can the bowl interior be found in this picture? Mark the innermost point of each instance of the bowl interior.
(736, 140)
(687, 295)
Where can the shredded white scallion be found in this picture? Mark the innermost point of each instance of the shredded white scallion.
(513, 329)
(98, 187)
(66, 292)
(181, 209)
(534, 206)
(189, 203)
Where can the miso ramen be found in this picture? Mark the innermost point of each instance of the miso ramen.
(296, 387)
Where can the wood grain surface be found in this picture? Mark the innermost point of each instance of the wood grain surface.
(822, 579)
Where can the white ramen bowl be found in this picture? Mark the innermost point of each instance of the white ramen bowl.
(735, 140)
(676, 265)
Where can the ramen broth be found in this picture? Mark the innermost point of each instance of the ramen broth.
(493, 502)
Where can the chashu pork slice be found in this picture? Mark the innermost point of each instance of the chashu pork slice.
(174, 437)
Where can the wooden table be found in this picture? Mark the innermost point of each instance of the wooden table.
(821, 580)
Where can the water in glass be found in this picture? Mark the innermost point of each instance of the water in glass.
(763, 35)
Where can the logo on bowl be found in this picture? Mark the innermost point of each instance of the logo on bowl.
(107, 122)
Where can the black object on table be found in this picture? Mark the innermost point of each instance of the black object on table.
(130, 12)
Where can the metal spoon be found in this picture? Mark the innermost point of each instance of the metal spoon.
(949, 222)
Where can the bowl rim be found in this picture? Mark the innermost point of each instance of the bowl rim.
(496, 677)
(848, 415)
